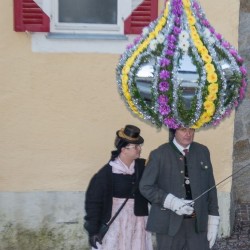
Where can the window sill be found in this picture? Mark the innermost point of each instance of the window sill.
(67, 36)
(80, 43)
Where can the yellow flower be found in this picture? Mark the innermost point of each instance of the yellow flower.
(125, 70)
(213, 88)
(193, 29)
(145, 44)
(205, 117)
(188, 12)
(134, 109)
(191, 20)
(158, 29)
(206, 58)
(199, 47)
(166, 11)
(162, 22)
(129, 62)
(198, 43)
(127, 95)
(211, 97)
(186, 3)
(203, 50)
(141, 48)
(212, 77)
(210, 107)
(209, 67)
(198, 124)
(151, 36)
(124, 79)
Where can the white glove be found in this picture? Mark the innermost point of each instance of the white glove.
(179, 206)
(212, 229)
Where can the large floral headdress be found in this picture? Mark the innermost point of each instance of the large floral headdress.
(194, 77)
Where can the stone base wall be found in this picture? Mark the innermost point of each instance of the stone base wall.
(54, 220)
(42, 221)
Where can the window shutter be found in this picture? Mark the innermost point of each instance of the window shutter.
(146, 12)
(28, 16)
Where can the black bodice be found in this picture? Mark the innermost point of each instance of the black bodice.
(123, 185)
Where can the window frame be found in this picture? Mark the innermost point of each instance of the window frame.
(76, 28)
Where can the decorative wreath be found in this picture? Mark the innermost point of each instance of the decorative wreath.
(182, 31)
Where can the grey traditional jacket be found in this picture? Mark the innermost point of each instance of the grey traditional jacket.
(164, 174)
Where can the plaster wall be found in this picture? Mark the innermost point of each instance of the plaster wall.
(59, 113)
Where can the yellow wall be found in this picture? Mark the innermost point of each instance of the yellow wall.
(59, 112)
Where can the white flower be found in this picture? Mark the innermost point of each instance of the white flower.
(222, 111)
(145, 31)
(160, 38)
(184, 45)
(183, 35)
(211, 40)
(153, 44)
(207, 32)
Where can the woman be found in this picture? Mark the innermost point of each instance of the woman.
(109, 188)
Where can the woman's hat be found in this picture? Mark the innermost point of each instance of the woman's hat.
(130, 134)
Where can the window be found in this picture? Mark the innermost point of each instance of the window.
(88, 16)
(107, 26)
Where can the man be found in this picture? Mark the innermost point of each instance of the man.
(172, 179)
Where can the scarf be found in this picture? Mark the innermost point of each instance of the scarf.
(119, 167)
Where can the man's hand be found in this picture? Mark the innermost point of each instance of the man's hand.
(93, 240)
(179, 206)
(212, 229)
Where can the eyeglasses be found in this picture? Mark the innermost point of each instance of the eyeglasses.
(136, 146)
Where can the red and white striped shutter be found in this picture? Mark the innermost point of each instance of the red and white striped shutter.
(28, 16)
(146, 12)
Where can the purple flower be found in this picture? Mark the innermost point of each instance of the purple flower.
(177, 10)
(236, 103)
(164, 74)
(196, 5)
(240, 59)
(241, 93)
(137, 39)
(162, 100)
(233, 52)
(171, 38)
(177, 21)
(244, 83)
(171, 46)
(205, 22)
(171, 123)
(212, 30)
(225, 44)
(164, 62)
(164, 109)
(164, 86)
(216, 122)
(243, 70)
(219, 36)
(177, 30)
(228, 112)
(169, 52)
(129, 46)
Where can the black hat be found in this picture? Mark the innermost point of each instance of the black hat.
(130, 134)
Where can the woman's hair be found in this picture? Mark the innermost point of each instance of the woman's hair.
(119, 144)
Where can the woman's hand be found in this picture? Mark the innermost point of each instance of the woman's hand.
(94, 239)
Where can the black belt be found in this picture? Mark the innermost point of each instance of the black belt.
(193, 215)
